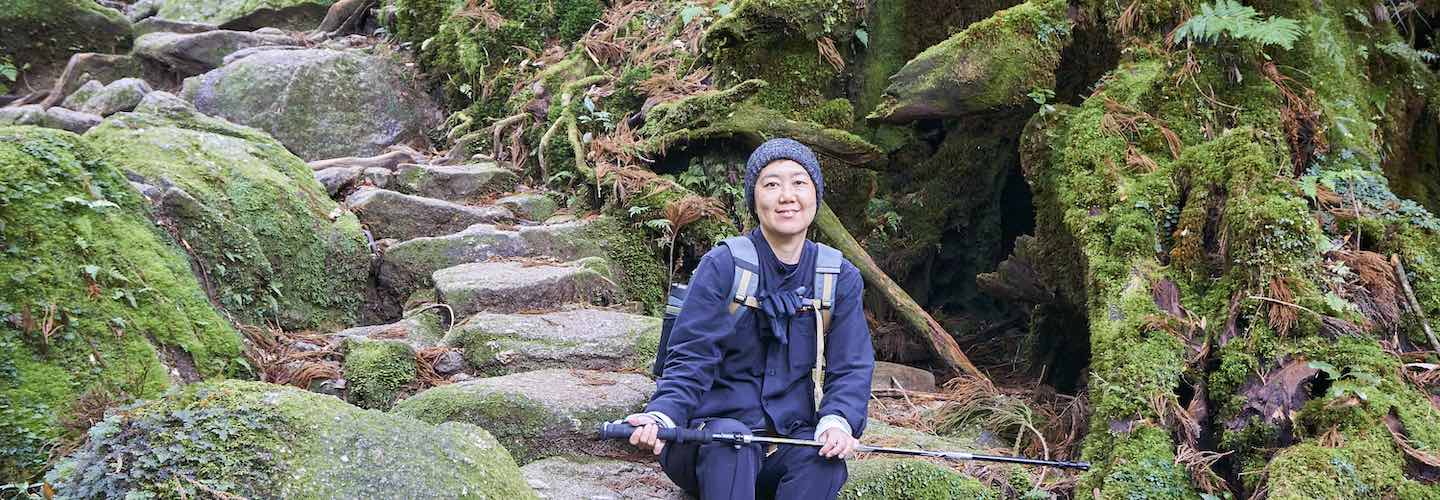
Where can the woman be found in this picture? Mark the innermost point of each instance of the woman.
(751, 373)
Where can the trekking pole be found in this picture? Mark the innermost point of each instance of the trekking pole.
(621, 430)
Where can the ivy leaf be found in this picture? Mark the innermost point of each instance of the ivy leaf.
(690, 13)
(8, 71)
(863, 36)
(91, 270)
(723, 9)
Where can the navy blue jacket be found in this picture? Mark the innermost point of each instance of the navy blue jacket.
(730, 368)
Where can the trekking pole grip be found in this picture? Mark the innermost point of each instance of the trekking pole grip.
(622, 430)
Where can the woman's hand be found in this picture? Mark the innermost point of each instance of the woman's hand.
(837, 444)
(646, 429)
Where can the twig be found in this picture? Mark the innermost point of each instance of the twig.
(1291, 304)
(1410, 296)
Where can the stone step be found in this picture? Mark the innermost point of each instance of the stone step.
(540, 413)
(338, 180)
(897, 376)
(516, 286)
(529, 206)
(389, 214)
(406, 267)
(471, 183)
(592, 339)
(578, 477)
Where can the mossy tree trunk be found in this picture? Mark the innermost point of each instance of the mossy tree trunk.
(1235, 225)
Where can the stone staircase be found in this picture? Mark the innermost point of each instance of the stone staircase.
(538, 318)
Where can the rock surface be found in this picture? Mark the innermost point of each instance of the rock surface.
(195, 53)
(282, 442)
(898, 376)
(120, 95)
(470, 183)
(389, 214)
(529, 206)
(247, 14)
(56, 118)
(162, 25)
(592, 339)
(540, 413)
(514, 286)
(102, 68)
(577, 477)
(266, 238)
(338, 180)
(407, 266)
(320, 103)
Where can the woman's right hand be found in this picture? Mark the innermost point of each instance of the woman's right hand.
(646, 431)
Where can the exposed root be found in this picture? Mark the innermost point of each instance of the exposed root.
(1200, 465)
(829, 53)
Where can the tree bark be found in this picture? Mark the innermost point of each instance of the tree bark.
(915, 318)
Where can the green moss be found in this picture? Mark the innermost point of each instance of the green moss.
(261, 440)
(835, 113)
(879, 479)
(641, 273)
(377, 370)
(475, 58)
(417, 20)
(255, 221)
(518, 422)
(1139, 464)
(77, 251)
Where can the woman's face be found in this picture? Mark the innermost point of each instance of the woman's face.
(784, 198)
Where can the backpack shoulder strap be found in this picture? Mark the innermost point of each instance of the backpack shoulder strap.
(827, 277)
(747, 272)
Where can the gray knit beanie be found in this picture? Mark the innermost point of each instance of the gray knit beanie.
(781, 149)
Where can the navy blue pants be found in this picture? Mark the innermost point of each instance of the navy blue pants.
(718, 471)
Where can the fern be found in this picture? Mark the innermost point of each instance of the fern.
(1228, 18)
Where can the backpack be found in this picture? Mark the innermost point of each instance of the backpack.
(742, 293)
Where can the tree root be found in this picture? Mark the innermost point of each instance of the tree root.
(919, 322)
(1414, 304)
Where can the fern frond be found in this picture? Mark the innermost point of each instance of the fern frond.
(1241, 22)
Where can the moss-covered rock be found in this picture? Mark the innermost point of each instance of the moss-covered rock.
(376, 371)
(320, 103)
(388, 214)
(778, 41)
(472, 183)
(245, 15)
(95, 296)
(540, 413)
(266, 240)
(254, 439)
(591, 339)
(38, 36)
(992, 63)
(886, 479)
(513, 286)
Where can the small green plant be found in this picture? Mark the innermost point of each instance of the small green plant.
(8, 74)
(1229, 19)
(1348, 381)
(592, 116)
(705, 14)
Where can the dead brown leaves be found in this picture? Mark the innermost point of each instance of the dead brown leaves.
(1304, 128)
(1282, 313)
(484, 13)
(1120, 119)
(286, 358)
(690, 208)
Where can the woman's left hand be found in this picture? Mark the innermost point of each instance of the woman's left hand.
(838, 444)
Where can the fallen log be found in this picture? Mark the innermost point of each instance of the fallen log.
(915, 318)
